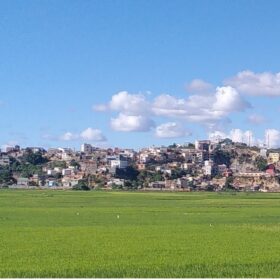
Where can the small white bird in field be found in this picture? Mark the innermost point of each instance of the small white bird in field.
(118, 216)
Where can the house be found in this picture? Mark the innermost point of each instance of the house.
(221, 169)
(67, 171)
(270, 170)
(52, 183)
(141, 166)
(88, 166)
(118, 182)
(86, 148)
(273, 157)
(157, 185)
(120, 162)
(24, 182)
(4, 159)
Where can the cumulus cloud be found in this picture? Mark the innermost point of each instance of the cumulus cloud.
(206, 109)
(248, 82)
(69, 136)
(198, 85)
(256, 119)
(170, 130)
(272, 138)
(167, 105)
(124, 122)
(229, 100)
(236, 135)
(217, 135)
(91, 134)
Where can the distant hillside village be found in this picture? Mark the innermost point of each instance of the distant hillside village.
(203, 166)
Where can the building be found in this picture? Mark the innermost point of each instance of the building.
(4, 159)
(273, 157)
(67, 171)
(207, 170)
(270, 170)
(202, 145)
(263, 152)
(24, 182)
(86, 148)
(119, 162)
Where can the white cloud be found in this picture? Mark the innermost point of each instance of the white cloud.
(229, 100)
(207, 109)
(217, 135)
(133, 104)
(69, 136)
(91, 134)
(131, 123)
(236, 135)
(167, 105)
(256, 119)
(170, 130)
(198, 85)
(248, 82)
(272, 138)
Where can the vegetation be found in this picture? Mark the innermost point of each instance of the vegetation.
(130, 234)
(222, 157)
(34, 158)
(6, 176)
(261, 163)
(81, 186)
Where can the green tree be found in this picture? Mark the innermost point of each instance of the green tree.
(260, 163)
(228, 184)
(81, 186)
(34, 158)
(6, 177)
(222, 157)
(128, 173)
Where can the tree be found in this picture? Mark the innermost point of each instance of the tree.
(222, 157)
(6, 177)
(81, 186)
(260, 163)
(228, 184)
(34, 158)
(128, 173)
(74, 163)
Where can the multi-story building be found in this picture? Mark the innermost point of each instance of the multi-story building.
(86, 148)
(119, 162)
(202, 145)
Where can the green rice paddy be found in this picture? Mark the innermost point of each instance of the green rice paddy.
(134, 234)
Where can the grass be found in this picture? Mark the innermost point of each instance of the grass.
(124, 234)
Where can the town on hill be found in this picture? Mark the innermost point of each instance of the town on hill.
(203, 166)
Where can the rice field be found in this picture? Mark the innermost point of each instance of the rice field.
(132, 234)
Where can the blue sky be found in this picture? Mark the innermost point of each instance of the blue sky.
(137, 73)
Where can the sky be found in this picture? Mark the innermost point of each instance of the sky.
(133, 74)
